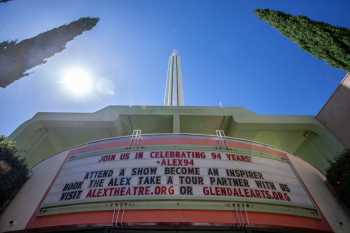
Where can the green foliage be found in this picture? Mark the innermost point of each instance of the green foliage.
(338, 175)
(327, 42)
(4, 1)
(13, 171)
(17, 58)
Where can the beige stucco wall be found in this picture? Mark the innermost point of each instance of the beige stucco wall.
(335, 114)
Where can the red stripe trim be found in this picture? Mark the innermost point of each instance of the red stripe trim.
(183, 217)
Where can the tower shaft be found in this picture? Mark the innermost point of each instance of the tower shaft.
(174, 95)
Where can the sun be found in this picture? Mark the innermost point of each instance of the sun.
(77, 82)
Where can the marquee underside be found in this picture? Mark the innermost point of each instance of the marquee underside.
(49, 133)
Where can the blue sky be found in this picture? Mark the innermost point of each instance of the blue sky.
(229, 55)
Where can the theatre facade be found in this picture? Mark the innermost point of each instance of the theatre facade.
(178, 168)
(175, 168)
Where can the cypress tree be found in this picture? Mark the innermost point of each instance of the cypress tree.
(324, 41)
(17, 58)
(4, 1)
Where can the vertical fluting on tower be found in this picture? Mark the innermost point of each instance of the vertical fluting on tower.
(174, 95)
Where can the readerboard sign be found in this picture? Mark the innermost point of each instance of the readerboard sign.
(170, 173)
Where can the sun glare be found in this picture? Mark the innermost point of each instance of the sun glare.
(77, 82)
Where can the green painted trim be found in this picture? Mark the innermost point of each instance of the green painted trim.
(183, 205)
(180, 198)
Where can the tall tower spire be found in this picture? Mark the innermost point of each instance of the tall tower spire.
(174, 95)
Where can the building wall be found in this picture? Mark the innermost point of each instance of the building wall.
(335, 114)
(333, 211)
